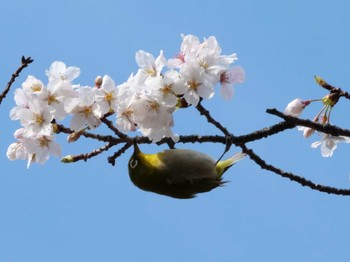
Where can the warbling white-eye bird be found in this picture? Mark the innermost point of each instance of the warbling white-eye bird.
(178, 173)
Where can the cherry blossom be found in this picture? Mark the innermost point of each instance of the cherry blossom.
(22, 102)
(296, 107)
(150, 114)
(189, 46)
(146, 102)
(166, 89)
(36, 118)
(106, 97)
(39, 149)
(16, 151)
(82, 108)
(229, 78)
(329, 143)
(59, 72)
(307, 131)
(33, 86)
(198, 85)
(149, 67)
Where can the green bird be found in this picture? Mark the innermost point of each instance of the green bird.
(178, 173)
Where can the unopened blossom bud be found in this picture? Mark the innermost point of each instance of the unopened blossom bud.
(308, 132)
(68, 159)
(296, 107)
(320, 81)
(98, 81)
(74, 136)
(324, 119)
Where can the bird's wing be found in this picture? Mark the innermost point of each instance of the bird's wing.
(187, 166)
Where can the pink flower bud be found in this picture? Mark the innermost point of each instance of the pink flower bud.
(98, 81)
(296, 107)
(308, 132)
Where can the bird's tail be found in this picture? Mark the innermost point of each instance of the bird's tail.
(222, 166)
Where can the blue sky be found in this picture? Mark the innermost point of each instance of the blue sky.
(90, 211)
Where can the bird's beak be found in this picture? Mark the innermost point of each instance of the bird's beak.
(136, 148)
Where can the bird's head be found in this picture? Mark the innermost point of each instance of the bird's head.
(142, 164)
(142, 168)
(135, 159)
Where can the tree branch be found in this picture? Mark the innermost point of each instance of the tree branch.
(24, 63)
(331, 88)
(104, 138)
(110, 125)
(85, 157)
(227, 138)
(300, 180)
(117, 154)
(211, 120)
(328, 129)
(262, 133)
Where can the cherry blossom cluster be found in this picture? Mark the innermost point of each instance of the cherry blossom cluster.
(145, 102)
(328, 143)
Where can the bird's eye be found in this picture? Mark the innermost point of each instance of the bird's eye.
(133, 163)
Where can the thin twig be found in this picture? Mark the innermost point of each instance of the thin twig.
(211, 120)
(85, 157)
(328, 129)
(236, 140)
(121, 151)
(262, 133)
(24, 63)
(332, 88)
(104, 138)
(302, 181)
(110, 125)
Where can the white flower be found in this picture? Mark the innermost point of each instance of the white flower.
(22, 102)
(177, 61)
(36, 118)
(34, 148)
(329, 143)
(208, 57)
(157, 134)
(151, 117)
(82, 109)
(59, 72)
(149, 113)
(202, 66)
(57, 93)
(33, 86)
(196, 83)
(165, 89)
(189, 46)
(39, 149)
(128, 90)
(125, 117)
(227, 60)
(127, 93)
(16, 151)
(307, 131)
(149, 67)
(59, 87)
(206, 54)
(229, 78)
(296, 107)
(106, 97)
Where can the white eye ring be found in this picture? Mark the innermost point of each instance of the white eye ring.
(133, 163)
